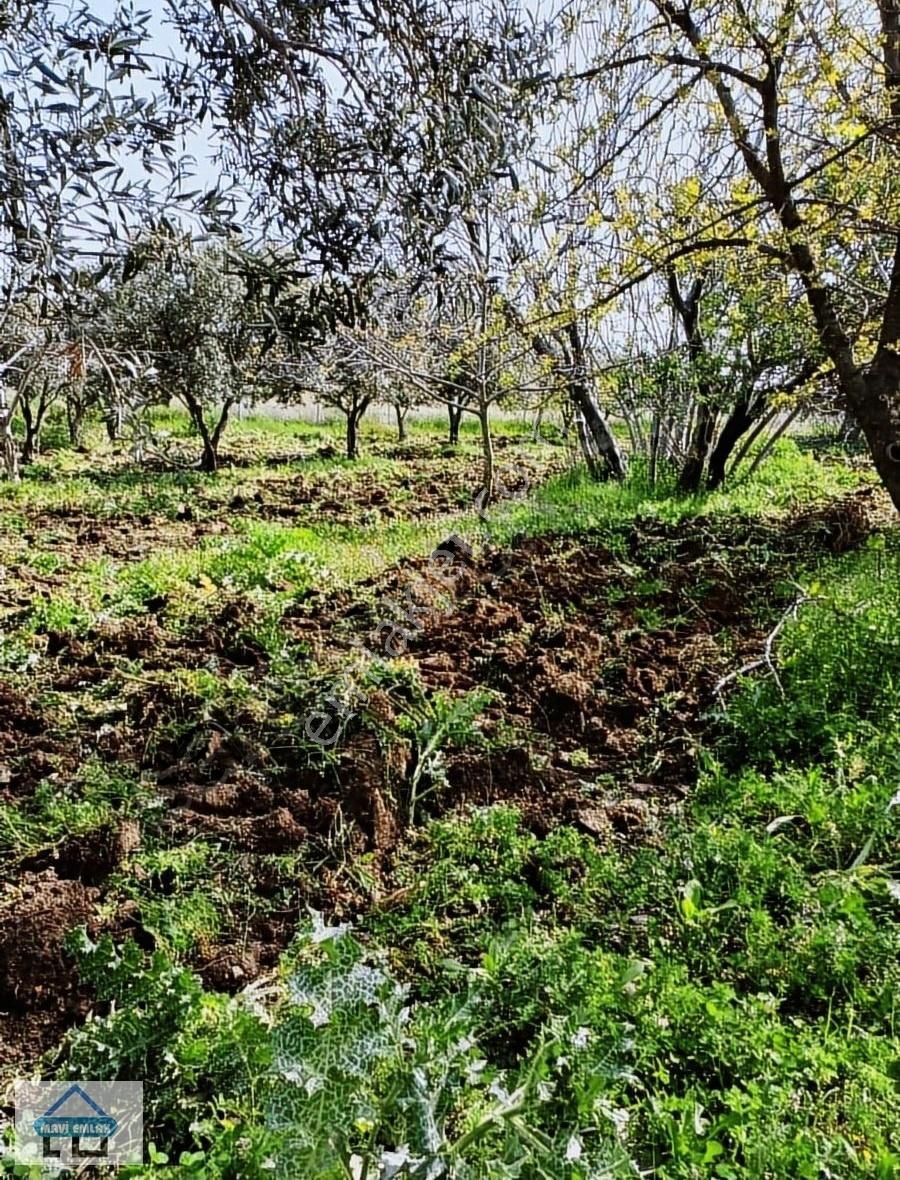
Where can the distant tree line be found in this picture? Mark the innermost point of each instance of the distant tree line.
(677, 226)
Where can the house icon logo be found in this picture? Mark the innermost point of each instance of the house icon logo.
(72, 1117)
(71, 1127)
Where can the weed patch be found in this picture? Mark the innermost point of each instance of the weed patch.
(585, 915)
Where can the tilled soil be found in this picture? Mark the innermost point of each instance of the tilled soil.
(430, 485)
(39, 997)
(600, 662)
(433, 488)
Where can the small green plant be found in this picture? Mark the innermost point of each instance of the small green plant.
(46, 563)
(59, 614)
(431, 721)
(202, 1056)
(837, 667)
(93, 801)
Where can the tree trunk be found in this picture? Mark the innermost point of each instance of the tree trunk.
(762, 423)
(701, 431)
(770, 442)
(114, 422)
(33, 422)
(878, 414)
(209, 460)
(217, 433)
(401, 413)
(691, 476)
(536, 425)
(209, 457)
(579, 392)
(353, 435)
(9, 452)
(9, 456)
(75, 422)
(588, 449)
(747, 411)
(655, 438)
(568, 414)
(738, 422)
(875, 400)
(602, 439)
(595, 424)
(31, 444)
(455, 412)
(873, 393)
(486, 495)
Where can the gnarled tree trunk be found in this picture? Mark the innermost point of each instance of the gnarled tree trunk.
(602, 441)
(354, 415)
(877, 411)
(704, 427)
(351, 435)
(738, 422)
(209, 458)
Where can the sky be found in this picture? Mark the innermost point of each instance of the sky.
(164, 41)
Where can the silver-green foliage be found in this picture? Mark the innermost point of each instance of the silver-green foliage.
(186, 310)
(364, 1087)
(344, 1020)
(330, 1074)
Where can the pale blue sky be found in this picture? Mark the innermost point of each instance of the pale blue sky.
(164, 41)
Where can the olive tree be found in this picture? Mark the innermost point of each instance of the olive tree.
(345, 382)
(185, 310)
(360, 128)
(71, 126)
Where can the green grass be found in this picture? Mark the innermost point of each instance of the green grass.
(720, 1001)
(573, 503)
(275, 563)
(87, 806)
(289, 562)
(839, 679)
(741, 973)
(716, 998)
